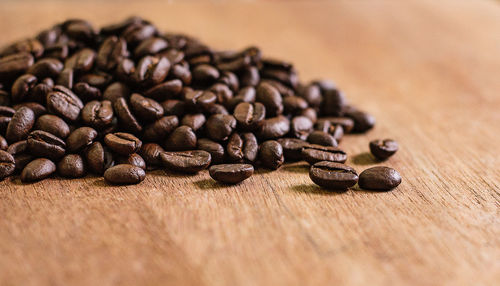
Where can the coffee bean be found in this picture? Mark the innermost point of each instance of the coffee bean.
(311, 93)
(86, 92)
(65, 78)
(275, 127)
(32, 46)
(125, 117)
(332, 103)
(71, 166)
(150, 46)
(215, 149)
(14, 65)
(52, 124)
(362, 120)
(300, 127)
(150, 152)
(205, 75)
(138, 32)
(231, 173)
(7, 164)
(198, 100)
(220, 126)
(249, 115)
(316, 153)
(48, 67)
(294, 104)
(20, 125)
(166, 90)
(22, 87)
(186, 161)
(242, 148)
(112, 51)
(182, 138)
(333, 176)
(195, 121)
(181, 71)
(337, 131)
(222, 92)
(37, 108)
(115, 91)
(44, 144)
(37, 170)
(64, 103)
(249, 76)
(133, 159)
(271, 98)
(151, 71)
(322, 138)
(124, 174)
(97, 114)
(174, 107)
(379, 179)
(81, 61)
(80, 138)
(98, 158)
(146, 109)
(271, 154)
(3, 143)
(216, 109)
(292, 148)
(122, 143)
(159, 129)
(383, 149)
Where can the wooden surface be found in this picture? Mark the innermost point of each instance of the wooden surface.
(429, 72)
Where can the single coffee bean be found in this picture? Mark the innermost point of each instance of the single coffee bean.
(151, 71)
(333, 176)
(316, 153)
(205, 75)
(98, 158)
(231, 173)
(40, 91)
(124, 174)
(37, 170)
(166, 90)
(379, 179)
(292, 148)
(44, 144)
(246, 94)
(138, 32)
(48, 67)
(220, 126)
(52, 124)
(80, 138)
(271, 98)
(81, 61)
(383, 149)
(215, 149)
(20, 125)
(21, 156)
(7, 164)
(312, 94)
(71, 166)
(86, 92)
(132, 159)
(97, 114)
(294, 104)
(65, 78)
(186, 161)
(183, 138)
(159, 129)
(125, 117)
(271, 154)
(197, 100)
(150, 46)
(216, 109)
(116, 90)
(64, 103)
(222, 92)
(37, 108)
(346, 122)
(22, 87)
(195, 121)
(300, 127)
(112, 51)
(14, 65)
(181, 72)
(174, 107)
(122, 143)
(150, 152)
(146, 109)
(249, 76)
(322, 138)
(362, 120)
(275, 127)
(332, 103)
(3, 143)
(249, 115)
(230, 79)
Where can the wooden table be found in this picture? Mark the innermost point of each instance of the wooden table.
(429, 72)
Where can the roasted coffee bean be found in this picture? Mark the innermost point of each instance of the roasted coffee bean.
(222, 92)
(150, 152)
(138, 32)
(115, 91)
(151, 71)
(112, 51)
(195, 121)
(20, 125)
(249, 76)
(64, 103)
(146, 109)
(52, 124)
(362, 120)
(22, 87)
(300, 127)
(44, 144)
(71, 166)
(182, 138)
(332, 103)
(294, 104)
(32, 46)
(65, 78)
(337, 131)
(220, 126)
(230, 79)
(181, 72)
(7, 164)
(6, 114)
(14, 65)
(37, 108)
(80, 138)
(249, 115)
(333, 176)
(309, 113)
(125, 117)
(383, 149)
(124, 174)
(3, 143)
(205, 75)
(271, 98)
(274, 127)
(315, 153)
(271, 154)
(379, 179)
(246, 94)
(48, 67)
(323, 125)
(198, 100)
(125, 70)
(122, 143)
(242, 148)
(166, 90)
(98, 158)
(79, 30)
(186, 161)
(346, 122)
(231, 173)
(86, 92)
(150, 46)
(57, 51)
(174, 107)
(40, 91)
(159, 129)
(133, 159)
(81, 61)
(97, 114)
(37, 170)
(322, 138)
(312, 94)
(21, 156)
(292, 148)
(216, 109)
(215, 149)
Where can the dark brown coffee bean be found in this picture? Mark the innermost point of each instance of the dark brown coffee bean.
(37, 170)
(80, 138)
(332, 103)
(7, 164)
(242, 148)
(138, 32)
(249, 115)
(167, 90)
(198, 100)
(20, 125)
(32, 46)
(116, 90)
(195, 121)
(40, 91)
(383, 149)
(249, 76)
(57, 51)
(146, 109)
(222, 92)
(337, 131)
(112, 51)
(274, 127)
(132, 159)
(97, 114)
(150, 46)
(119, 27)
(125, 117)
(87, 92)
(182, 138)
(300, 127)
(181, 72)
(64, 103)
(98, 158)
(316, 153)
(14, 65)
(159, 129)
(312, 94)
(216, 109)
(44, 144)
(71, 166)
(125, 70)
(124, 174)
(292, 148)
(52, 124)
(79, 30)
(333, 176)
(309, 113)
(48, 67)
(81, 61)
(231, 173)
(186, 161)
(322, 138)
(151, 71)
(37, 108)
(21, 155)
(379, 179)
(122, 143)
(22, 87)
(362, 120)
(205, 75)
(150, 152)
(246, 94)
(220, 126)
(230, 79)
(65, 78)
(3, 143)
(271, 154)
(215, 149)
(294, 104)
(271, 98)
(174, 107)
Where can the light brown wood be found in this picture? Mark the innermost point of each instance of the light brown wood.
(429, 72)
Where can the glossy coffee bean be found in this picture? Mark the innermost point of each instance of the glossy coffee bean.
(362, 120)
(112, 51)
(220, 126)
(271, 154)
(249, 115)
(3, 143)
(161, 128)
(80, 138)
(144, 108)
(197, 100)
(71, 166)
(195, 121)
(115, 91)
(270, 98)
(275, 127)
(37, 108)
(46, 145)
(182, 138)
(205, 74)
(20, 125)
(150, 152)
(322, 138)
(186, 161)
(7, 164)
(122, 143)
(215, 149)
(132, 159)
(151, 71)
(48, 67)
(52, 124)
(242, 148)
(346, 122)
(14, 65)
(317, 153)
(332, 102)
(231, 173)
(301, 127)
(124, 174)
(64, 103)
(98, 114)
(166, 90)
(292, 148)
(37, 170)
(383, 149)
(98, 158)
(125, 117)
(333, 176)
(379, 179)
(22, 87)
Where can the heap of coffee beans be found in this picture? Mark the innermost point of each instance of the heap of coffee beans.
(128, 98)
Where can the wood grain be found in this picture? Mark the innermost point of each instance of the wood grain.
(428, 71)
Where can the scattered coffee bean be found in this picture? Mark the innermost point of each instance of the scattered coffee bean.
(71, 166)
(183, 138)
(292, 148)
(80, 138)
(44, 144)
(37, 170)
(379, 179)
(7, 164)
(332, 175)
(383, 149)
(150, 152)
(186, 161)
(133, 159)
(316, 153)
(231, 173)
(124, 174)
(271, 154)
(52, 124)
(122, 143)
(98, 158)
(322, 138)
(20, 125)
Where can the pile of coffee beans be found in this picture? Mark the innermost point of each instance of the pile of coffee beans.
(127, 98)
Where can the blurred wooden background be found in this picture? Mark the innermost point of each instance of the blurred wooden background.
(428, 71)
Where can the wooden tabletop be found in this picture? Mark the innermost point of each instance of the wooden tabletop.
(429, 72)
